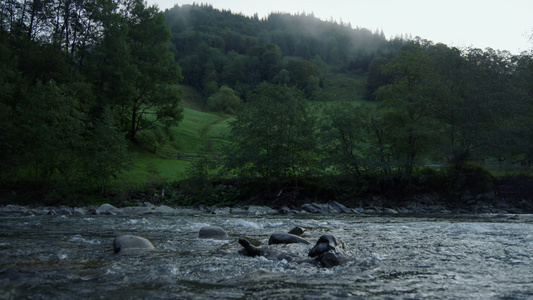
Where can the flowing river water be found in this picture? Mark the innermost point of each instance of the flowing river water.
(437, 257)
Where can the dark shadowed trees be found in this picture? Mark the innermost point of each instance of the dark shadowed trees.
(76, 77)
(273, 135)
(345, 137)
(407, 106)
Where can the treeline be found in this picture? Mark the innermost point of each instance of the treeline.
(218, 48)
(435, 104)
(80, 78)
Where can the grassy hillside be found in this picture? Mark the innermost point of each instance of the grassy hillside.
(345, 87)
(197, 127)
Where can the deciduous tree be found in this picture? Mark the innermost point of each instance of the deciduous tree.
(273, 135)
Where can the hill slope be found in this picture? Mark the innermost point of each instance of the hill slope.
(216, 48)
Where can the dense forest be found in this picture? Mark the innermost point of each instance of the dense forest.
(216, 48)
(84, 81)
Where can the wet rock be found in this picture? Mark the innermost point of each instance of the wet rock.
(390, 211)
(187, 211)
(238, 210)
(14, 209)
(60, 211)
(339, 207)
(329, 260)
(315, 208)
(286, 210)
(297, 230)
(249, 249)
(326, 252)
(358, 210)
(161, 210)
(212, 232)
(107, 209)
(222, 211)
(286, 238)
(79, 211)
(261, 210)
(135, 210)
(127, 243)
(324, 244)
(332, 207)
(148, 204)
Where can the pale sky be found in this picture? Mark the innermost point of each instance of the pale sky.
(501, 25)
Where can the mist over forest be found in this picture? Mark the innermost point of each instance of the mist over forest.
(308, 109)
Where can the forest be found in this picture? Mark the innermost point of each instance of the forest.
(314, 109)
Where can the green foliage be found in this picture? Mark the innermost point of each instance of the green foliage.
(64, 108)
(407, 106)
(214, 46)
(273, 135)
(79, 78)
(468, 178)
(145, 70)
(376, 77)
(225, 100)
(344, 139)
(105, 153)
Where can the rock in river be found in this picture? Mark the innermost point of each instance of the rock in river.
(286, 238)
(212, 232)
(128, 242)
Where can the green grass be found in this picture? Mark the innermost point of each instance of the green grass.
(345, 87)
(199, 126)
(190, 135)
(148, 166)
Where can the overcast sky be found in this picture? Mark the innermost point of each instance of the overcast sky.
(501, 25)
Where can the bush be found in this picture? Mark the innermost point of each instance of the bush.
(225, 100)
(469, 178)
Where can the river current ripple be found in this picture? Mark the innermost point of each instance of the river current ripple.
(437, 257)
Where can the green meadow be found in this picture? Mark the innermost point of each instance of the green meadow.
(197, 128)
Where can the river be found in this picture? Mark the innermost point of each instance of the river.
(431, 256)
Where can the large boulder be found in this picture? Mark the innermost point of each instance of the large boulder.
(60, 211)
(286, 238)
(297, 231)
(249, 249)
(127, 243)
(261, 210)
(212, 232)
(339, 207)
(15, 209)
(329, 260)
(107, 209)
(162, 210)
(332, 207)
(327, 252)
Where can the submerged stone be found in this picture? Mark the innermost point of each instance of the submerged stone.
(212, 232)
(131, 243)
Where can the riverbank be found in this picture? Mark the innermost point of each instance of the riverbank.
(424, 204)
